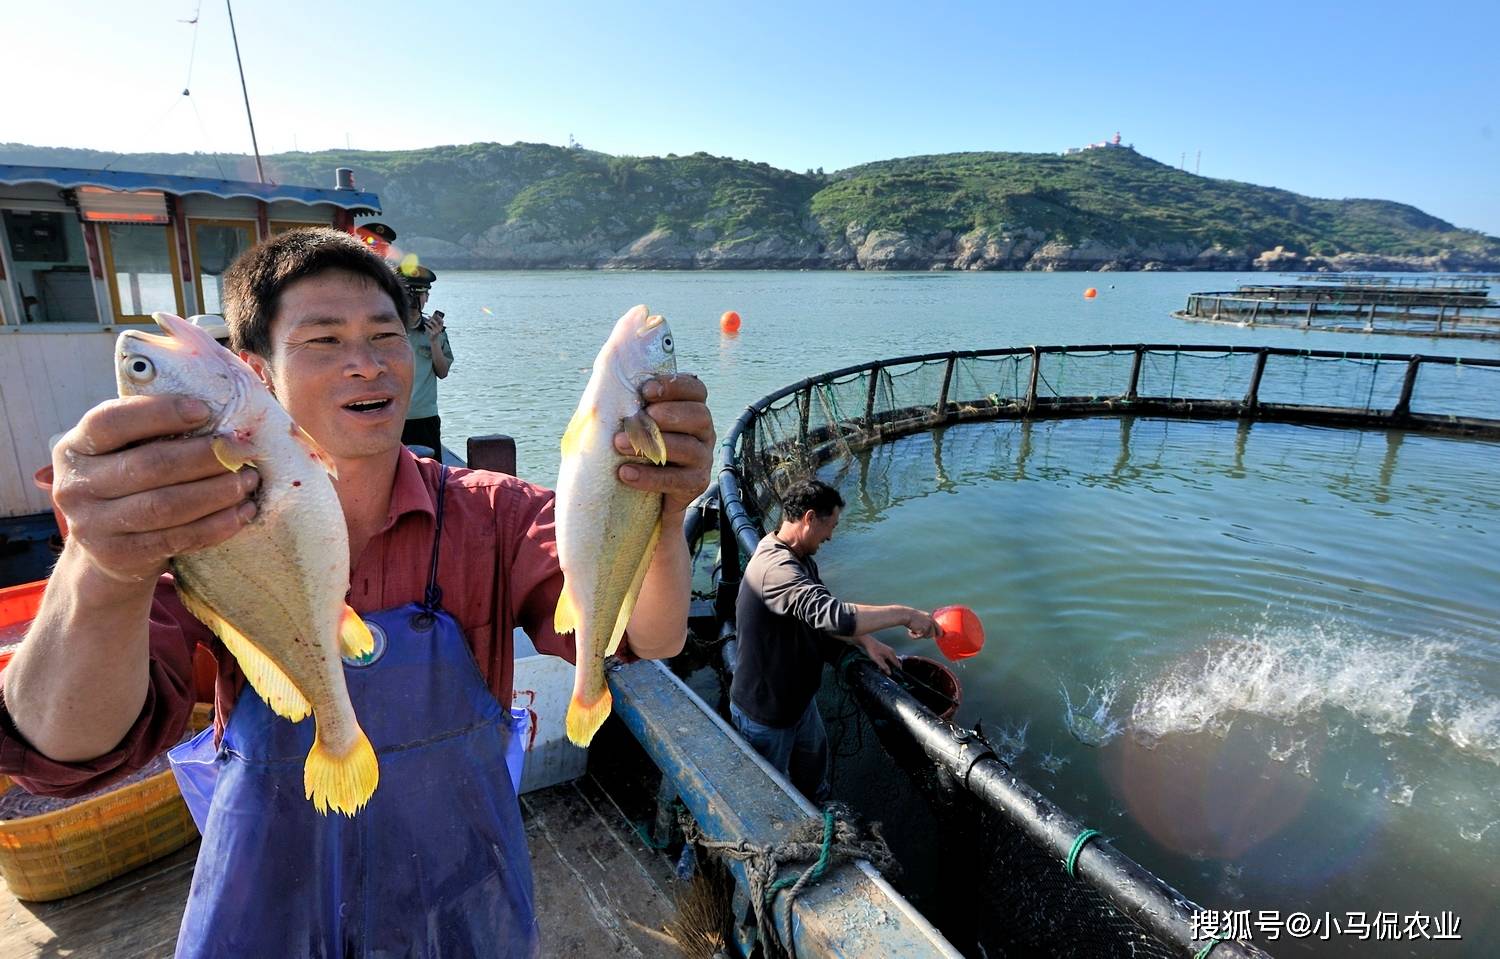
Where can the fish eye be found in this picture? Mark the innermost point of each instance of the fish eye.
(139, 369)
(667, 343)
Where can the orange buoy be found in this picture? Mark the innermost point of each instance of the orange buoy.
(1090, 293)
(961, 634)
(729, 322)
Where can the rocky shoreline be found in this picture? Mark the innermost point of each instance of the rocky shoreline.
(520, 245)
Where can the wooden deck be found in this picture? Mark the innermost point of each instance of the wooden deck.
(599, 892)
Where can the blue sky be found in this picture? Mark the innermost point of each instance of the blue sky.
(1377, 99)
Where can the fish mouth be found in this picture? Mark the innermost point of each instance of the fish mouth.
(651, 323)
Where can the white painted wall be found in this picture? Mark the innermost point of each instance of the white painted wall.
(48, 380)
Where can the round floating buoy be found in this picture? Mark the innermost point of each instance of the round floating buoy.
(961, 633)
(729, 322)
(1090, 293)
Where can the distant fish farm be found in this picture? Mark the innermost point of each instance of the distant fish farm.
(1447, 306)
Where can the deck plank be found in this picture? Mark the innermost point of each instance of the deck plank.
(583, 851)
(581, 844)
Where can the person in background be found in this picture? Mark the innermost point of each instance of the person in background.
(434, 357)
(789, 624)
(378, 237)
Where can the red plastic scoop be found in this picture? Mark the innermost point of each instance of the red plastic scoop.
(961, 634)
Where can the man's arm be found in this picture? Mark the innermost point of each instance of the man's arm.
(658, 626)
(442, 352)
(869, 619)
(132, 500)
(884, 657)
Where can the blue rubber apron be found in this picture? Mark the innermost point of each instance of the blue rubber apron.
(436, 863)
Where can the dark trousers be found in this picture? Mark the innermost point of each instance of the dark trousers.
(799, 752)
(426, 431)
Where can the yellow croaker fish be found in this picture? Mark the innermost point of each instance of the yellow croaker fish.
(606, 531)
(274, 592)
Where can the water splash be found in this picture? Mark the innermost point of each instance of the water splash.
(1091, 723)
(1013, 738)
(1399, 689)
(1052, 762)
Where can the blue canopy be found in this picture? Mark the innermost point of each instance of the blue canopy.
(129, 182)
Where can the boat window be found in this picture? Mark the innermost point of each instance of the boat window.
(51, 282)
(216, 244)
(142, 276)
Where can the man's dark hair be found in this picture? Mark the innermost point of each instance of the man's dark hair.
(254, 283)
(814, 495)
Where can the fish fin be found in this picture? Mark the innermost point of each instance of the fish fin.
(645, 436)
(628, 606)
(264, 676)
(580, 430)
(584, 719)
(318, 453)
(341, 783)
(355, 640)
(565, 620)
(232, 452)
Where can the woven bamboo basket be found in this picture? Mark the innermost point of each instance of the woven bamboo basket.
(62, 853)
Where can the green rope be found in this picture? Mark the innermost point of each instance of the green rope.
(818, 868)
(1203, 953)
(1078, 845)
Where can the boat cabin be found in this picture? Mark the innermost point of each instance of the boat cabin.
(85, 253)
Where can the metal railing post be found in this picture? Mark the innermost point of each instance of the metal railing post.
(1036, 368)
(804, 410)
(1408, 384)
(940, 412)
(1131, 391)
(1252, 396)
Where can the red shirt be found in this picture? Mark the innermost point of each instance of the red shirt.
(497, 568)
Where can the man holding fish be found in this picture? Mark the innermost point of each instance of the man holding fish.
(273, 528)
(789, 625)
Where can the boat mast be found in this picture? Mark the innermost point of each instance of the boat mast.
(259, 170)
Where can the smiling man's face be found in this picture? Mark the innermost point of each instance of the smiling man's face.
(340, 363)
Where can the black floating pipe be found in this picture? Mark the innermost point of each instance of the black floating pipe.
(1148, 901)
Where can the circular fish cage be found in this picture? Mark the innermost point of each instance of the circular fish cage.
(1055, 884)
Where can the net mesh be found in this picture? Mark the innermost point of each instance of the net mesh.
(835, 418)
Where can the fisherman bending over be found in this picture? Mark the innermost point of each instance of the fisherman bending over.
(789, 624)
(447, 562)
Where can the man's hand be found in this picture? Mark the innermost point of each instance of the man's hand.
(920, 625)
(435, 327)
(884, 657)
(676, 403)
(134, 498)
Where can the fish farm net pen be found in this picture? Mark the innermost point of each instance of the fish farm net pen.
(1013, 842)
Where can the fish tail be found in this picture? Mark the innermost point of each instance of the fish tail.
(584, 718)
(342, 782)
